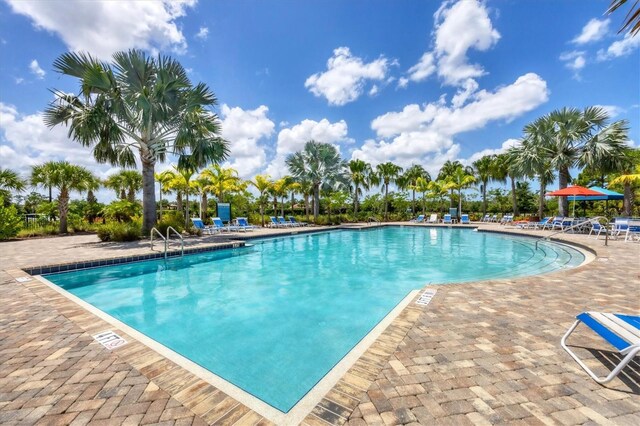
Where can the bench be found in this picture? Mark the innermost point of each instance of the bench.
(620, 331)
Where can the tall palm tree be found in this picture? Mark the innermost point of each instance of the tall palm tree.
(164, 179)
(319, 163)
(66, 177)
(461, 178)
(422, 185)
(138, 103)
(45, 172)
(360, 173)
(280, 189)
(263, 184)
(408, 181)
(11, 181)
(448, 169)
(632, 20)
(125, 183)
(530, 160)
(504, 168)
(570, 137)
(483, 170)
(223, 180)
(387, 173)
(629, 178)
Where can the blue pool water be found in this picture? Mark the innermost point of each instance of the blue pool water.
(274, 318)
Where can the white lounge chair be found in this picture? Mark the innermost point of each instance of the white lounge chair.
(433, 218)
(620, 331)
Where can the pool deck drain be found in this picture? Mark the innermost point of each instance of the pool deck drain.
(478, 353)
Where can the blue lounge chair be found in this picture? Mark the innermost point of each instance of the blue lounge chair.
(540, 224)
(597, 228)
(620, 225)
(620, 331)
(556, 222)
(294, 222)
(282, 222)
(199, 224)
(220, 226)
(633, 231)
(447, 219)
(418, 219)
(274, 222)
(243, 223)
(464, 219)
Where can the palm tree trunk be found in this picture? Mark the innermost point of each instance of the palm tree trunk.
(451, 199)
(513, 196)
(50, 194)
(63, 209)
(543, 189)
(386, 201)
(282, 207)
(563, 180)
(484, 198)
(306, 206)
(628, 199)
(459, 202)
(262, 211)
(424, 203)
(131, 196)
(203, 206)
(293, 201)
(123, 194)
(179, 205)
(186, 215)
(355, 202)
(160, 198)
(413, 202)
(149, 215)
(316, 201)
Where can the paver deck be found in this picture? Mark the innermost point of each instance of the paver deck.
(479, 353)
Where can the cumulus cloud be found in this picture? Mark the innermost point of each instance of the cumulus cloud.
(346, 76)
(612, 110)
(574, 60)
(244, 129)
(459, 27)
(293, 139)
(425, 134)
(203, 33)
(594, 30)
(35, 69)
(509, 143)
(108, 26)
(619, 48)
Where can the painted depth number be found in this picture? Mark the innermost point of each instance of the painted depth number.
(110, 340)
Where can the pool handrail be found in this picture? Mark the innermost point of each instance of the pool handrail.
(575, 225)
(154, 229)
(166, 242)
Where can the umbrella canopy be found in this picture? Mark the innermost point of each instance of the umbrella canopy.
(574, 191)
(607, 194)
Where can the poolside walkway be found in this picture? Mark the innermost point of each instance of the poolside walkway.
(479, 353)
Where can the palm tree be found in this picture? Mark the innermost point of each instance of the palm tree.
(422, 185)
(11, 181)
(408, 181)
(570, 137)
(280, 188)
(138, 103)
(319, 163)
(360, 173)
(632, 20)
(164, 178)
(125, 183)
(223, 180)
(483, 169)
(630, 176)
(448, 169)
(461, 178)
(45, 172)
(504, 167)
(263, 184)
(66, 177)
(182, 184)
(387, 173)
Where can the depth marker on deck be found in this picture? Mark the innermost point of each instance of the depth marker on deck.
(425, 297)
(109, 339)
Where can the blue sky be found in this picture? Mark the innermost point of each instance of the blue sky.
(403, 81)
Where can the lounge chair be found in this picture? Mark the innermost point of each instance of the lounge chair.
(506, 219)
(633, 231)
(433, 218)
(464, 219)
(220, 226)
(447, 219)
(294, 222)
(199, 224)
(540, 224)
(486, 218)
(619, 226)
(274, 222)
(620, 331)
(282, 222)
(494, 218)
(553, 223)
(418, 219)
(243, 223)
(597, 228)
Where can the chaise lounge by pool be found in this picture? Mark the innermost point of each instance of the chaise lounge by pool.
(275, 317)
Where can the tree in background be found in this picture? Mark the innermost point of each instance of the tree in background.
(387, 173)
(164, 179)
(448, 169)
(629, 179)
(505, 168)
(65, 177)
(263, 184)
(318, 163)
(10, 181)
(126, 183)
(360, 174)
(459, 179)
(45, 172)
(409, 179)
(138, 103)
(483, 168)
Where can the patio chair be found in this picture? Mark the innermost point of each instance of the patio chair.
(553, 223)
(433, 218)
(220, 226)
(633, 231)
(418, 219)
(620, 331)
(243, 223)
(464, 219)
(447, 219)
(199, 224)
(283, 223)
(294, 222)
(486, 218)
(506, 219)
(597, 228)
(274, 222)
(619, 226)
(494, 218)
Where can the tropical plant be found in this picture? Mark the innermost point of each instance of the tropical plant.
(138, 103)
(483, 168)
(570, 137)
(45, 173)
(10, 221)
(122, 210)
(263, 184)
(632, 20)
(529, 160)
(223, 180)
(505, 167)
(629, 179)
(125, 183)
(362, 176)
(66, 177)
(387, 173)
(448, 169)
(459, 179)
(181, 183)
(164, 178)
(318, 163)
(11, 181)
(408, 180)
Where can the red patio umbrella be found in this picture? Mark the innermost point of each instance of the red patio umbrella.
(574, 191)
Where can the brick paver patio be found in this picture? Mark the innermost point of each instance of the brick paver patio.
(479, 353)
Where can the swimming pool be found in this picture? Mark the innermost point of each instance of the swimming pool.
(275, 317)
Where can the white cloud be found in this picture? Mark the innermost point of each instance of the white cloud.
(509, 143)
(108, 26)
(35, 69)
(346, 76)
(403, 82)
(203, 33)
(574, 60)
(612, 110)
(293, 139)
(19, 80)
(459, 26)
(594, 30)
(619, 48)
(426, 133)
(374, 90)
(244, 129)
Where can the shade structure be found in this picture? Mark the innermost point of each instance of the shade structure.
(574, 192)
(607, 194)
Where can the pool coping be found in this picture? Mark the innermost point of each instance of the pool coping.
(338, 403)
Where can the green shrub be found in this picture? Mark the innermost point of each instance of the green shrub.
(119, 232)
(50, 228)
(173, 219)
(10, 222)
(122, 211)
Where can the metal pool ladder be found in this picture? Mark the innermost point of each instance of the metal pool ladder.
(166, 240)
(577, 225)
